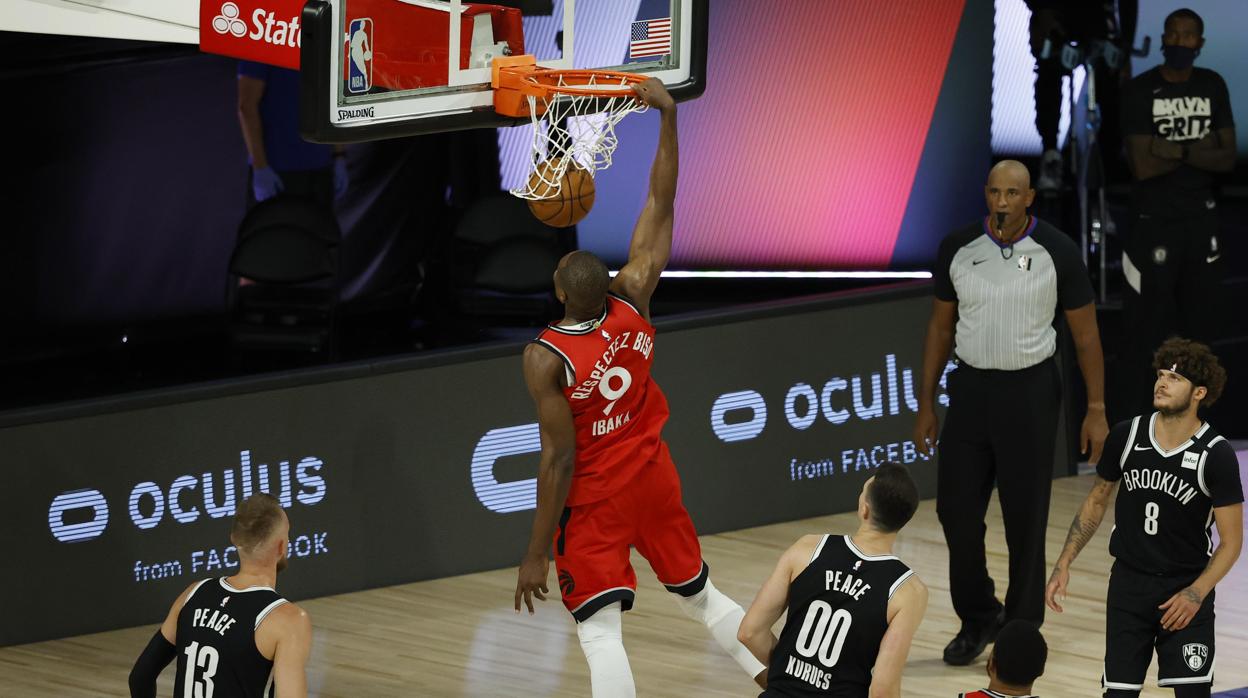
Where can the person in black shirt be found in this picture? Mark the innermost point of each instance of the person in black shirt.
(853, 607)
(235, 637)
(1179, 476)
(1179, 132)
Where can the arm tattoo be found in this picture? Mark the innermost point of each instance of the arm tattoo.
(1081, 529)
(1080, 533)
(1192, 595)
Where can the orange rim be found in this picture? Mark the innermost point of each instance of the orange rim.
(515, 78)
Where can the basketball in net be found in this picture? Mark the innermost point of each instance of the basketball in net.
(573, 114)
(561, 201)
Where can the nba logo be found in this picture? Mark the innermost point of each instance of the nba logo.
(360, 48)
(857, 565)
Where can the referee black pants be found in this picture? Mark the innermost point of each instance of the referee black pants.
(999, 431)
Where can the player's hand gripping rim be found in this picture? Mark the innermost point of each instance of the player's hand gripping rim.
(531, 580)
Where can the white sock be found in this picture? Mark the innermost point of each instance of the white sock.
(602, 640)
(722, 616)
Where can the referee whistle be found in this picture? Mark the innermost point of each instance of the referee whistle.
(1001, 225)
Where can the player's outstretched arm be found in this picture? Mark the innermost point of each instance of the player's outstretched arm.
(1182, 607)
(937, 346)
(160, 650)
(755, 631)
(542, 374)
(1082, 528)
(906, 610)
(290, 654)
(651, 245)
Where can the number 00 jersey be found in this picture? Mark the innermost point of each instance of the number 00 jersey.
(1164, 511)
(617, 407)
(217, 654)
(838, 613)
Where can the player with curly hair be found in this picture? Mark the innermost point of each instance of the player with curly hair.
(1179, 476)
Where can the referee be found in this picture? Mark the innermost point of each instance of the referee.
(999, 283)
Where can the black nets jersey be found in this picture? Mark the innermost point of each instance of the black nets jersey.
(1164, 510)
(217, 655)
(837, 616)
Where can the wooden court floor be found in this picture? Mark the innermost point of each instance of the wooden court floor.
(460, 636)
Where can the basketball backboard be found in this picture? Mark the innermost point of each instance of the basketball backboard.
(380, 68)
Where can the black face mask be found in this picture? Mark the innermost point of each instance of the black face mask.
(1179, 57)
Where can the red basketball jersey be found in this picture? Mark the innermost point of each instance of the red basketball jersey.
(617, 407)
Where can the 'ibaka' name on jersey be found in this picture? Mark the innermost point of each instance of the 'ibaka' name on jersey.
(610, 424)
(213, 619)
(845, 583)
(1151, 479)
(639, 341)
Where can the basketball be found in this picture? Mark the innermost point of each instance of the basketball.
(570, 203)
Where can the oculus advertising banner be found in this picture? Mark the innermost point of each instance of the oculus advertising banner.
(426, 469)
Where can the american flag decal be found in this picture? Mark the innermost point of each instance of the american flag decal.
(650, 37)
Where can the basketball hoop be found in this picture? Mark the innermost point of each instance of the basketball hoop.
(573, 114)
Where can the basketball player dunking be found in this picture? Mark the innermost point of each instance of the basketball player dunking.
(234, 637)
(606, 480)
(1178, 476)
(853, 607)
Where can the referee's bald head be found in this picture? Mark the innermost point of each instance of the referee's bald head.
(1011, 172)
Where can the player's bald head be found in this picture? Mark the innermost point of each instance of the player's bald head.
(583, 279)
(1009, 174)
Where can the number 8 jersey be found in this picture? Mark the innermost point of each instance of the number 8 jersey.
(838, 614)
(618, 409)
(1164, 511)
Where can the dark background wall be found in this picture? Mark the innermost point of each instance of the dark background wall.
(406, 472)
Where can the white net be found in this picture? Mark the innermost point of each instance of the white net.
(576, 129)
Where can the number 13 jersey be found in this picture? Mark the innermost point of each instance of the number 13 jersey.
(1164, 511)
(618, 409)
(217, 653)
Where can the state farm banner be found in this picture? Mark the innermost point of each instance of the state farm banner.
(265, 31)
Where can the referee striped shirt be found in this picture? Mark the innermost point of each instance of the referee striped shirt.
(1008, 295)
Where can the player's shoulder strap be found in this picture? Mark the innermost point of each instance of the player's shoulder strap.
(626, 302)
(1206, 437)
(1133, 435)
(264, 612)
(196, 588)
(569, 368)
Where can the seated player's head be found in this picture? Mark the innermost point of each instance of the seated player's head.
(581, 282)
(261, 531)
(1188, 377)
(1018, 657)
(889, 498)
